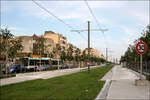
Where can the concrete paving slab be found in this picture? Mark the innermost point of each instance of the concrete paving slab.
(120, 73)
(126, 89)
(123, 85)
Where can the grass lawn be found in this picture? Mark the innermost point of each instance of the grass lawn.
(7, 76)
(76, 86)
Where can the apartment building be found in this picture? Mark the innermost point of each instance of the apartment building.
(94, 52)
(73, 48)
(28, 42)
(57, 38)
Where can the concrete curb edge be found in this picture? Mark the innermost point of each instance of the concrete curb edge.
(103, 93)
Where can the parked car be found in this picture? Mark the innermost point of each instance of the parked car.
(2, 68)
(64, 66)
(16, 68)
(43, 67)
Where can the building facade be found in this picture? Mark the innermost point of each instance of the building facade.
(28, 44)
(57, 38)
(94, 52)
(73, 48)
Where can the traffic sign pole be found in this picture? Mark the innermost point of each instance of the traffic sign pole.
(141, 66)
(141, 48)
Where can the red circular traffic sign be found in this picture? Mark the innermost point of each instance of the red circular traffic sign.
(141, 47)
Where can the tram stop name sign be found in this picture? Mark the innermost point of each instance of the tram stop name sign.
(141, 47)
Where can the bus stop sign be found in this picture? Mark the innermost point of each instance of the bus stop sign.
(141, 47)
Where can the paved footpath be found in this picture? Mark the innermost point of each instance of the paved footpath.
(123, 87)
(40, 75)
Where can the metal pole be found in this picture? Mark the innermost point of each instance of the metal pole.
(40, 59)
(6, 66)
(58, 60)
(58, 64)
(106, 55)
(141, 66)
(88, 45)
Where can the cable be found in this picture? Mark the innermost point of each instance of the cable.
(60, 19)
(97, 22)
(52, 14)
(56, 17)
(92, 13)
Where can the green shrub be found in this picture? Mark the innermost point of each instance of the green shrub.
(148, 77)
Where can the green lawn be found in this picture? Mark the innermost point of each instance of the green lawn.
(7, 76)
(77, 86)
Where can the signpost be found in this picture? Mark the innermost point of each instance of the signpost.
(88, 63)
(141, 48)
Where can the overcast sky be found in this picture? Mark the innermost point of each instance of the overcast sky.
(124, 20)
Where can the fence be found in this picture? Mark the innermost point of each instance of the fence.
(136, 66)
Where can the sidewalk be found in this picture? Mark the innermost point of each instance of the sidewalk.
(123, 87)
(40, 75)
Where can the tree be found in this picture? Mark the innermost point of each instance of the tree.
(9, 47)
(77, 54)
(70, 53)
(15, 49)
(5, 42)
(131, 56)
(48, 52)
(84, 56)
(146, 38)
(63, 55)
(39, 46)
(57, 50)
(51, 54)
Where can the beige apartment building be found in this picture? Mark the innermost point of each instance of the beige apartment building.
(52, 39)
(57, 38)
(73, 47)
(28, 42)
(94, 52)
